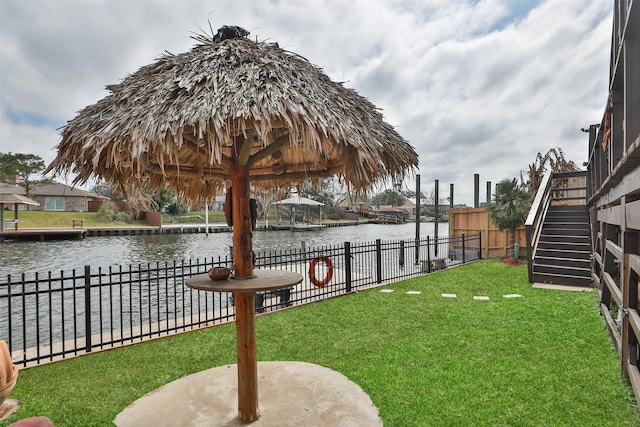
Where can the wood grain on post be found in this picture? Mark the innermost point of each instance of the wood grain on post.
(245, 301)
(247, 364)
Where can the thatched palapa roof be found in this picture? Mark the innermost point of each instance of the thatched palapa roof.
(171, 123)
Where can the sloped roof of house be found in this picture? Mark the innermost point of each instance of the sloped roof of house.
(62, 190)
(359, 199)
(409, 203)
(12, 189)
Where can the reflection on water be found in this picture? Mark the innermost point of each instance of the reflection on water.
(30, 257)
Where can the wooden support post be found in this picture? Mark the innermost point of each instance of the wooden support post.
(629, 289)
(451, 217)
(609, 232)
(436, 208)
(487, 221)
(245, 301)
(488, 200)
(624, 287)
(247, 363)
(242, 235)
(476, 190)
(450, 196)
(417, 241)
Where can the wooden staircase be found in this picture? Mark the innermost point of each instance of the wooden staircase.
(558, 231)
(563, 255)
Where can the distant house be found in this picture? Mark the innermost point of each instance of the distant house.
(428, 207)
(409, 205)
(349, 204)
(218, 203)
(61, 197)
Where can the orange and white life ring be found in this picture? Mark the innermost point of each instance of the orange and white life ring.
(312, 271)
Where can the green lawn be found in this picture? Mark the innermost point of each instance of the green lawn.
(40, 219)
(194, 217)
(37, 219)
(544, 359)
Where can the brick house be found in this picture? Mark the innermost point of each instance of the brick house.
(61, 197)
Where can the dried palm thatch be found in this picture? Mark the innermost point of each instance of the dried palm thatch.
(553, 160)
(172, 123)
(234, 111)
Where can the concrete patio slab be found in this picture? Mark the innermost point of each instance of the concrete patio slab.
(289, 394)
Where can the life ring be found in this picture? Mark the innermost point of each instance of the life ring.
(312, 271)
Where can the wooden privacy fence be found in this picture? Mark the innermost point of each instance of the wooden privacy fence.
(495, 243)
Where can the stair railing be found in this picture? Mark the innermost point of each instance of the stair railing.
(556, 188)
(569, 188)
(535, 219)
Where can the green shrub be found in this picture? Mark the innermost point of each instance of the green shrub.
(123, 217)
(109, 212)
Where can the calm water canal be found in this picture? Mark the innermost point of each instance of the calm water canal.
(30, 257)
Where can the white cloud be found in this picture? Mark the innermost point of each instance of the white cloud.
(475, 86)
(27, 138)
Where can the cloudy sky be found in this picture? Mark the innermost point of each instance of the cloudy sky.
(475, 86)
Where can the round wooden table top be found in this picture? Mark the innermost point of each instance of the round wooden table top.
(263, 280)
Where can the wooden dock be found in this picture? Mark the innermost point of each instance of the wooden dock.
(62, 233)
(43, 234)
(307, 227)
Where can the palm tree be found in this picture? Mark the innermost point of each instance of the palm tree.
(510, 207)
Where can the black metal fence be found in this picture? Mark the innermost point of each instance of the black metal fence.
(54, 316)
